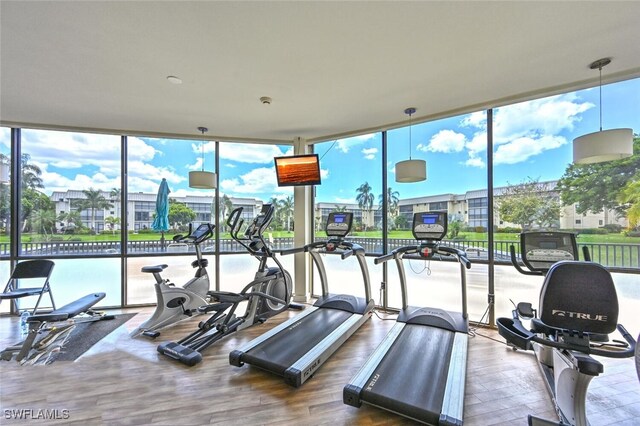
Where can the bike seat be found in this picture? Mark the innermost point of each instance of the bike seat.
(154, 268)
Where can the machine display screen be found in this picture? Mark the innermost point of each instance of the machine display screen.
(541, 249)
(338, 224)
(429, 225)
(429, 219)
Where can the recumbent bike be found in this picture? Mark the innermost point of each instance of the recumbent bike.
(267, 295)
(577, 311)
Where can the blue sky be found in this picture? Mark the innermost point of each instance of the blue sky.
(531, 139)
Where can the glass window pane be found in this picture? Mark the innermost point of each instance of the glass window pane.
(351, 182)
(537, 186)
(5, 272)
(70, 183)
(248, 180)
(5, 190)
(75, 278)
(455, 151)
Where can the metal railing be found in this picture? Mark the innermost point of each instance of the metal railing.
(619, 255)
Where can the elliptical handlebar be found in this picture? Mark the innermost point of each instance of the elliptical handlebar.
(516, 264)
(234, 222)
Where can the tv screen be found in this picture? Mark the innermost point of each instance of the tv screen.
(298, 170)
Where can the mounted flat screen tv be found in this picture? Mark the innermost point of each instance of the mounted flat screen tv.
(298, 170)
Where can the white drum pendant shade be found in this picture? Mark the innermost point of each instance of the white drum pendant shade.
(605, 145)
(411, 171)
(202, 180)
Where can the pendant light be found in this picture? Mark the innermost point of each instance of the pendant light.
(605, 145)
(411, 170)
(199, 178)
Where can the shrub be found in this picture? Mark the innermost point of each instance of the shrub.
(613, 228)
(596, 231)
(632, 233)
(509, 230)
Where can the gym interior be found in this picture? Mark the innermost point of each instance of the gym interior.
(319, 212)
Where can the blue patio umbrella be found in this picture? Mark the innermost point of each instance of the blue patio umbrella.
(161, 220)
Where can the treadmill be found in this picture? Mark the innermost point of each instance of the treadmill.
(298, 347)
(419, 369)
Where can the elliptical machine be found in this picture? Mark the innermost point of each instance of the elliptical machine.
(578, 306)
(177, 303)
(267, 295)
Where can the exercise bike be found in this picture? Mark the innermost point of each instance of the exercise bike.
(177, 303)
(577, 311)
(267, 295)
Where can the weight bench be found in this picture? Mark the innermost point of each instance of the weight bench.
(42, 325)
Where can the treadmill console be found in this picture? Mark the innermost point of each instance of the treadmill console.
(339, 224)
(541, 249)
(429, 225)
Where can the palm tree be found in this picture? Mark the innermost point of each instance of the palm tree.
(94, 200)
(277, 213)
(340, 208)
(393, 198)
(112, 222)
(72, 217)
(115, 195)
(43, 220)
(224, 210)
(287, 210)
(365, 200)
(30, 174)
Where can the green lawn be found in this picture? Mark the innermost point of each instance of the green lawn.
(470, 236)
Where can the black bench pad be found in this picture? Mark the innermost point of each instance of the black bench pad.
(70, 310)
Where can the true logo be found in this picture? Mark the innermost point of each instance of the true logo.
(579, 315)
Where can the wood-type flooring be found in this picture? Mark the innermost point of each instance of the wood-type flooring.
(124, 381)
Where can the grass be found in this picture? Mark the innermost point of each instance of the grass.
(470, 236)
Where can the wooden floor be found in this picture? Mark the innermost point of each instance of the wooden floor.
(123, 381)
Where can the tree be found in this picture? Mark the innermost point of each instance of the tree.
(401, 222)
(30, 174)
(286, 206)
(365, 200)
(43, 219)
(596, 187)
(630, 195)
(224, 210)
(112, 222)
(179, 213)
(529, 203)
(338, 208)
(94, 200)
(116, 195)
(70, 218)
(393, 199)
(30, 182)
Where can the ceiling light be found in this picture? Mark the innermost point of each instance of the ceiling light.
(201, 179)
(266, 100)
(604, 145)
(411, 170)
(173, 79)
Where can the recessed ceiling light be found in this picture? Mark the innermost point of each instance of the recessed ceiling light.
(173, 79)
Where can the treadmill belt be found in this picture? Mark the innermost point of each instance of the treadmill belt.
(412, 376)
(282, 350)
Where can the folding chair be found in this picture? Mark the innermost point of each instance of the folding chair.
(28, 270)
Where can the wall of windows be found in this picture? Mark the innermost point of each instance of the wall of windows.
(74, 208)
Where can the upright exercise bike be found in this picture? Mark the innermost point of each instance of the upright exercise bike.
(578, 308)
(177, 303)
(267, 295)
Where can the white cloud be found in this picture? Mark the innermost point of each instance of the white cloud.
(369, 153)
(475, 162)
(445, 141)
(249, 153)
(524, 148)
(345, 144)
(230, 165)
(548, 116)
(258, 180)
(340, 200)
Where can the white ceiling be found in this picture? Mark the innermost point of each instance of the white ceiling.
(332, 68)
